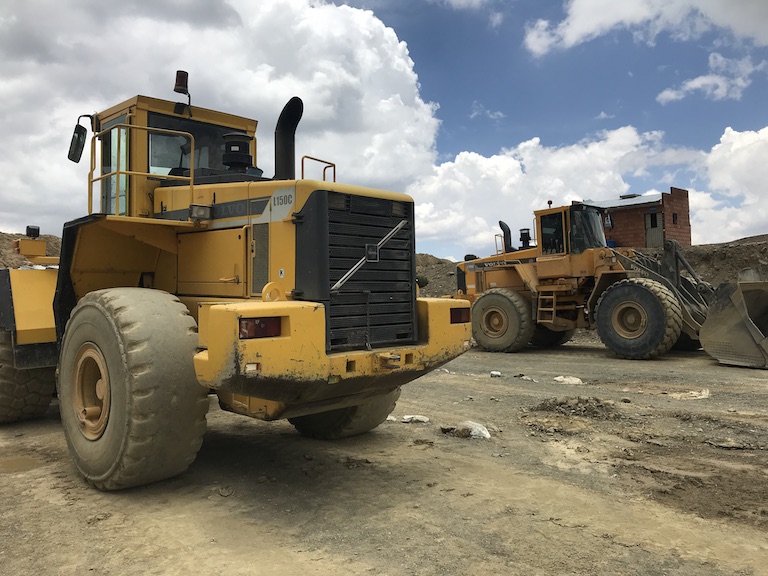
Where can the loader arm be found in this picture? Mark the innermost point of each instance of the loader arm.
(693, 293)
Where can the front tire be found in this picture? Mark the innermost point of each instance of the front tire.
(638, 318)
(350, 421)
(502, 321)
(24, 394)
(131, 407)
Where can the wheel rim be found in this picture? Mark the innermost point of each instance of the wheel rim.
(495, 322)
(90, 400)
(629, 320)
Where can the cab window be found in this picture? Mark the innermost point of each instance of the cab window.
(114, 158)
(586, 229)
(168, 151)
(552, 234)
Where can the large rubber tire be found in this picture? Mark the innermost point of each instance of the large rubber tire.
(131, 407)
(638, 318)
(24, 394)
(347, 421)
(546, 338)
(502, 321)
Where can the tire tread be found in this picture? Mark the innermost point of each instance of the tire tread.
(25, 394)
(523, 309)
(163, 436)
(673, 318)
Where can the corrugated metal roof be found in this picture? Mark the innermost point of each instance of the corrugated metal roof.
(626, 202)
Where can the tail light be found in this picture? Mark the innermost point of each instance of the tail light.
(260, 327)
(459, 315)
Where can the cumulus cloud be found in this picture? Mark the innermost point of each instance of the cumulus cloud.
(461, 201)
(468, 196)
(683, 19)
(727, 79)
(363, 109)
(737, 173)
(734, 164)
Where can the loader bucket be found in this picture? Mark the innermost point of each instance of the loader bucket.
(736, 329)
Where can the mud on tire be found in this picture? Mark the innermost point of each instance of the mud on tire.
(131, 407)
(24, 394)
(502, 321)
(638, 318)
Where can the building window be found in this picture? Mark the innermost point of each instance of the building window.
(674, 217)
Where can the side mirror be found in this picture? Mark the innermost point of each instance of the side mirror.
(78, 143)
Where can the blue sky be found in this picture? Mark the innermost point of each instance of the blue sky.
(493, 92)
(480, 109)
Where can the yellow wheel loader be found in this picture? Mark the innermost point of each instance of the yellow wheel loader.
(193, 272)
(641, 306)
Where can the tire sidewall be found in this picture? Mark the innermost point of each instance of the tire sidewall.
(514, 321)
(95, 459)
(649, 341)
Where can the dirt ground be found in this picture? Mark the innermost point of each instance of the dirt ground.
(638, 468)
(641, 468)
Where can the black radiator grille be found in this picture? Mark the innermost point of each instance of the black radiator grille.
(375, 306)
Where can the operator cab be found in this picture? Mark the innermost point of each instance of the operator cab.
(570, 230)
(145, 142)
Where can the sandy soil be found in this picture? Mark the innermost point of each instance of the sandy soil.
(644, 468)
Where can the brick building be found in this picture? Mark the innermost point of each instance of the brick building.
(646, 221)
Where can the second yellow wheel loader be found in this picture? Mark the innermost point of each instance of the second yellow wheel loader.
(641, 306)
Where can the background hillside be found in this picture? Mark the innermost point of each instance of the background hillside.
(9, 258)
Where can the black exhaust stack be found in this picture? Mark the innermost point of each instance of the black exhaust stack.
(507, 236)
(285, 139)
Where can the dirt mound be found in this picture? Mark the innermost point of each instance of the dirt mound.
(10, 259)
(718, 263)
(588, 407)
(441, 275)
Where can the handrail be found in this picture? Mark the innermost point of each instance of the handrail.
(327, 166)
(120, 172)
(496, 239)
